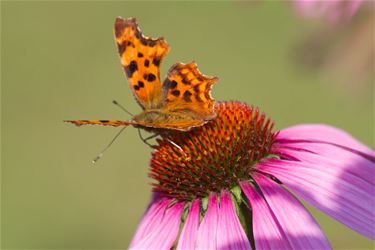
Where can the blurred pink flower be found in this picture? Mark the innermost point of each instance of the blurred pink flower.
(224, 185)
(343, 47)
(331, 10)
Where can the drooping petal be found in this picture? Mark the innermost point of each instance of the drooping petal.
(230, 234)
(322, 133)
(300, 228)
(336, 157)
(188, 237)
(208, 227)
(339, 193)
(151, 218)
(266, 229)
(330, 170)
(165, 233)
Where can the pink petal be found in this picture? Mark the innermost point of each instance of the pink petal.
(331, 171)
(322, 133)
(339, 193)
(352, 7)
(208, 227)
(230, 234)
(332, 10)
(151, 219)
(338, 158)
(300, 228)
(189, 233)
(165, 233)
(309, 8)
(266, 229)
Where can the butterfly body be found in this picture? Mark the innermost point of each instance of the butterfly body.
(157, 119)
(181, 102)
(151, 120)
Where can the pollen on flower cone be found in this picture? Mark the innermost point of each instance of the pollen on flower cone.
(188, 165)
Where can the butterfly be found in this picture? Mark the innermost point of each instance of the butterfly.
(183, 101)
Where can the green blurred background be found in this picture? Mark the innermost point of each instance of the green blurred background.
(59, 61)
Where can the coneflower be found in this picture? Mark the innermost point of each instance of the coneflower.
(223, 185)
(334, 10)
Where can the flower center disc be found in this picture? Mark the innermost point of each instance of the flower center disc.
(189, 165)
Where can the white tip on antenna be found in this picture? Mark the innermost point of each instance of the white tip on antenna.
(99, 156)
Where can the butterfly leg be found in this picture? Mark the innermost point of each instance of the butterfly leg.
(145, 140)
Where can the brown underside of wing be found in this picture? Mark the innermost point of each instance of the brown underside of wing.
(114, 123)
(181, 126)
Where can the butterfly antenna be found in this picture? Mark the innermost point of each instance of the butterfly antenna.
(121, 107)
(97, 158)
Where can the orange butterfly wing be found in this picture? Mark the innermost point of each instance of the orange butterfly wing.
(183, 101)
(141, 58)
(187, 91)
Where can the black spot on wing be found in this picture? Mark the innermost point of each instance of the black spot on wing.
(176, 93)
(131, 68)
(130, 43)
(187, 96)
(141, 84)
(136, 87)
(147, 63)
(156, 62)
(185, 81)
(140, 54)
(151, 77)
(170, 84)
